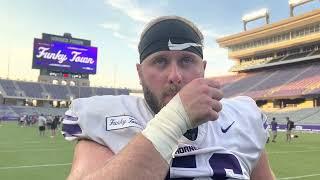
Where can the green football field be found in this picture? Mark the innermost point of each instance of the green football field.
(25, 155)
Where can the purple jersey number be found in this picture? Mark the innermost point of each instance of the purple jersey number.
(218, 162)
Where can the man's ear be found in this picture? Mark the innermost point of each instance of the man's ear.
(204, 64)
(138, 66)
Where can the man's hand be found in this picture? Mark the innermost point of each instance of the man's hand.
(200, 99)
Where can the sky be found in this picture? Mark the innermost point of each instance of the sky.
(114, 26)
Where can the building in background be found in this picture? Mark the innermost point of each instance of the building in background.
(278, 65)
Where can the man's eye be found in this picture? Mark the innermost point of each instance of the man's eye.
(187, 60)
(160, 61)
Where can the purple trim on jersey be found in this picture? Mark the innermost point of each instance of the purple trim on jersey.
(265, 125)
(71, 129)
(70, 118)
(185, 162)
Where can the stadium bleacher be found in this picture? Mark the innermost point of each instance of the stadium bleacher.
(85, 92)
(283, 81)
(23, 110)
(33, 90)
(317, 52)
(57, 91)
(285, 56)
(8, 87)
(315, 91)
(48, 92)
(17, 111)
(275, 59)
(74, 91)
(62, 92)
(287, 81)
(6, 111)
(299, 116)
(243, 84)
(102, 91)
(226, 80)
(296, 56)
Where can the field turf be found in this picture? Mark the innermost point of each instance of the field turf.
(25, 155)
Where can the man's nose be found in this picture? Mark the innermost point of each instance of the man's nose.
(175, 74)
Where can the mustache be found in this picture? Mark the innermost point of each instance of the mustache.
(170, 90)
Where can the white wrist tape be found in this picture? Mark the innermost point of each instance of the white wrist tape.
(167, 127)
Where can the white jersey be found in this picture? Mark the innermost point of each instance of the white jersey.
(227, 148)
(41, 121)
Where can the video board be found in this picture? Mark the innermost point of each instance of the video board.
(64, 57)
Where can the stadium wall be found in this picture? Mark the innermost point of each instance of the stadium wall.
(301, 128)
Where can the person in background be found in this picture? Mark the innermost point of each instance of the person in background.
(22, 120)
(274, 129)
(290, 126)
(54, 126)
(42, 125)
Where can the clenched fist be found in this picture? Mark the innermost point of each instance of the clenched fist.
(201, 100)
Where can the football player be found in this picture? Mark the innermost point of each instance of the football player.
(183, 128)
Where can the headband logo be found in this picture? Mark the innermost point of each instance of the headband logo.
(179, 47)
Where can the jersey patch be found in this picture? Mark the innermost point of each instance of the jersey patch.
(191, 134)
(70, 118)
(120, 122)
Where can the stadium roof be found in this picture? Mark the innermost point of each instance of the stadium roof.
(270, 29)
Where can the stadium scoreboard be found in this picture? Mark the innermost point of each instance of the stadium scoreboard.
(63, 59)
(64, 54)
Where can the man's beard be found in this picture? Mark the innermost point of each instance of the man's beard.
(157, 104)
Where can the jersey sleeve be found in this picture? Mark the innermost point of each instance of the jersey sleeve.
(71, 129)
(108, 121)
(252, 133)
(257, 120)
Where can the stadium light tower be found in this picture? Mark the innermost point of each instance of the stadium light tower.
(295, 3)
(262, 13)
(68, 35)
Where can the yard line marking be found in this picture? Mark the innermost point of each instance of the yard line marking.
(285, 152)
(293, 145)
(38, 145)
(298, 177)
(34, 166)
(32, 143)
(26, 142)
(45, 149)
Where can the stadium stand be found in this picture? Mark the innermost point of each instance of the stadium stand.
(283, 81)
(33, 90)
(17, 97)
(25, 110)
(85, 92)
(243, 84)
(299, 116)
(279, 64)
(296, 56)
(225, 80)
(276, 59)
(36, 90)
(74, 91)
(316, 52)
(56, 91)
(8, 87)
(107, 91)
(6, 111)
